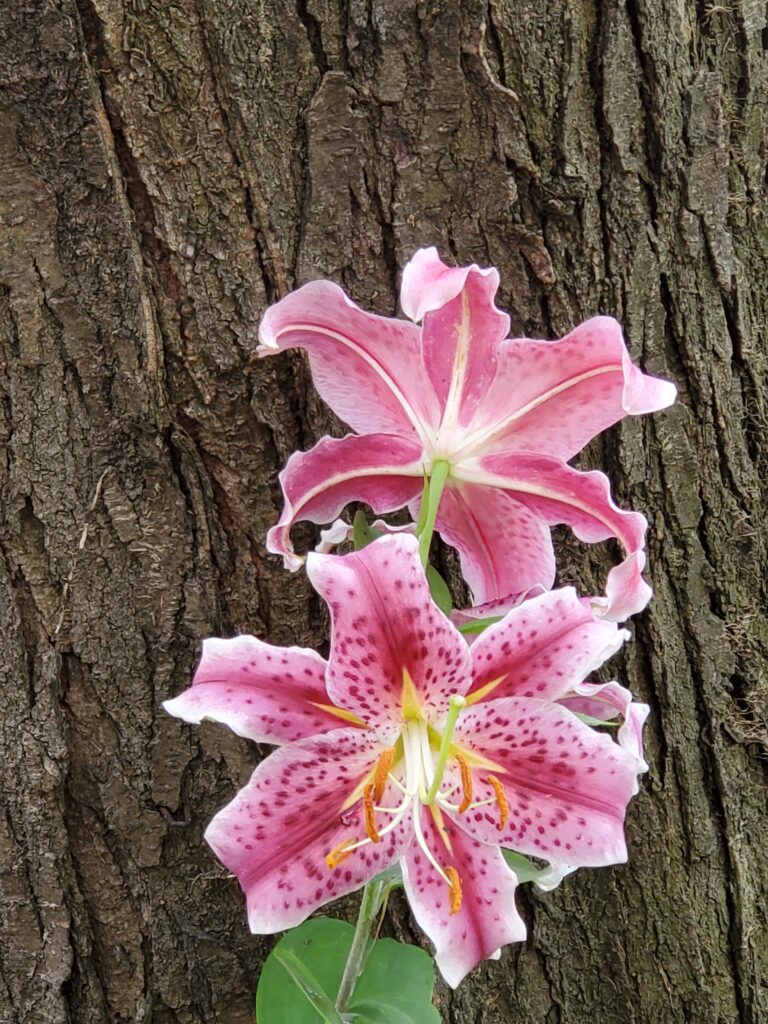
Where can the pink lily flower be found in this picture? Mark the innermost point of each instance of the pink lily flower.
(409, 746)
(504, 413)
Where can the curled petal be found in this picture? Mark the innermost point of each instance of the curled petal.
(368, 368)
(643, 393)
(566, 786)
(341, 531)
(383, 527)
(382, 470)
(553, 397)
(429, 284)
(558, 493)
(460, 336)
(604, 701)
(487, 918)
(277, 832)
(543, 648)
(337, 533)
(550, 879)
(626, 592)
(393, 652)
(267, 694)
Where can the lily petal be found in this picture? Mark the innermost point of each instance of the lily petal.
(553, 397)
(487, 918)
(461, 333)
(392, 650)
(505, 547)
(493, 609)
(566, 786)
(543, 648)
(277, 832)
(381, 469)
(626, 592)
(560, 494)
(267, 694)
(368, 368)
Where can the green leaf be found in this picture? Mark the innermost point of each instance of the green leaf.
(321, 945)
(478, 625)
(362, 531)
(524, 868)
(394, 988)
(309, 986)
(438, 588)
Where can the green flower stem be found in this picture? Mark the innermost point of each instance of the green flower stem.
(374, 895)
(423, 506)
(440, 472)
(456, 704)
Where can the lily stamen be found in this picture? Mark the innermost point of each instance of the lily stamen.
(394, 810)
(382, 773)
(500, 798)
(424, 771)
(419, 835)
(447, 805)
(398, 785)
(339, 853)
(369, 814)
(455, 888)
(399, 815)
(466, 783)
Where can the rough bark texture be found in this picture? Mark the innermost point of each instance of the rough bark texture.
(166, 170)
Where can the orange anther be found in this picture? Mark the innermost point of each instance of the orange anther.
(466, 783)
(455, 889)
(501, 801)
(370, 815)
(381, 772)
(338, 854)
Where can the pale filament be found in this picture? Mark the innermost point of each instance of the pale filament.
(420, 783)
(455, 807)
(423, 844)
(419, 774)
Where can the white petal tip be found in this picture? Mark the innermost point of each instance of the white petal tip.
(550, 879)
(667, 393)
(184, 710)
(291, 561)
(655, 395)
(176, 706)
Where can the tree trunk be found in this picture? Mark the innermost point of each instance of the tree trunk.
(167, 170)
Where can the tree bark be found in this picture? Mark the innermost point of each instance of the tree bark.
(167, 170)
